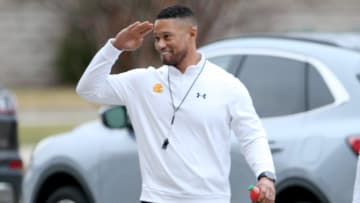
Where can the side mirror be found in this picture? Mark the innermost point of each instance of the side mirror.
(115, 117)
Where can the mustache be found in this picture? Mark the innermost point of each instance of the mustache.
(165, 50)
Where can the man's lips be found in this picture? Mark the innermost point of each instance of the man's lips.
(165, 53)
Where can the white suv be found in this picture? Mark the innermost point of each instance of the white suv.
(307, 93)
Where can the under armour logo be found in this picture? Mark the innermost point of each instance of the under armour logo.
(201, 95)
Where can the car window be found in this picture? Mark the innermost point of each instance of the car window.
(5, 130)
(277, 85)
(229, 62)
(319, 94)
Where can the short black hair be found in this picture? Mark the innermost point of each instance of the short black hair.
(176, 11)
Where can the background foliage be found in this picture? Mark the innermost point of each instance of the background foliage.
(90, 23)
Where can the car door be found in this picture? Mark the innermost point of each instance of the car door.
(277, 85)
(120, 179)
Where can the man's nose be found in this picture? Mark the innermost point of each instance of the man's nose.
(161, 44)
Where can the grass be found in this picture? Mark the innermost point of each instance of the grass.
(62, 97)
(29, 135)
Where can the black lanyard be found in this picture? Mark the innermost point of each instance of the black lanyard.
(176, 108)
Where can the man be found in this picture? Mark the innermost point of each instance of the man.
(356, 198)
(182, 113)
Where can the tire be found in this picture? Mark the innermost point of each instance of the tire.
(298, 201)
(67, 194)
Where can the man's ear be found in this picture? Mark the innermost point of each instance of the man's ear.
(193, 31)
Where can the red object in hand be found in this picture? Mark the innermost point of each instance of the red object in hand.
(254, 193)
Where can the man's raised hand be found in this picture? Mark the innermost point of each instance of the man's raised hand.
(132, 37)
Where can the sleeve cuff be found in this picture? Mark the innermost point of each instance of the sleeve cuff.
(110, 52)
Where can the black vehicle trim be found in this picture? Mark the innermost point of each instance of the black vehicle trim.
(300, 182)
(62, 168)
(14, 179)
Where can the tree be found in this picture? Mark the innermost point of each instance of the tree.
(91, 22)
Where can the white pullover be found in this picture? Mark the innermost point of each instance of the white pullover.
(195, 166)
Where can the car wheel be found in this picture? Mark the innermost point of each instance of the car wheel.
(67, 194)
(298, 201)
(304, 202)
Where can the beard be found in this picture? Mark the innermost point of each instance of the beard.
(172, 59)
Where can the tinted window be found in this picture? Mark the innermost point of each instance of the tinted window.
(5, 129)
(229, 62)
(319, 94)
(277, 85)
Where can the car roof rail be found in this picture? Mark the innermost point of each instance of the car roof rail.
(289, 36)
(340, 40)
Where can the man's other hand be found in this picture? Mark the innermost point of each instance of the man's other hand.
(267, 190)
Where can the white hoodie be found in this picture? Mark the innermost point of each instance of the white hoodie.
(195, 166)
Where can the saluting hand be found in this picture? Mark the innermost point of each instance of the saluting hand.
(132, 37)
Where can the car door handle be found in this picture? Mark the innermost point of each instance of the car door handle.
(274, 148)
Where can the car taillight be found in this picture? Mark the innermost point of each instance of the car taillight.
(15, 164)
(354, 142)
(7, 103)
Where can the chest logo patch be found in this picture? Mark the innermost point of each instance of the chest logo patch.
(158, 88)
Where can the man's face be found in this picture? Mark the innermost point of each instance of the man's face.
(172, 40)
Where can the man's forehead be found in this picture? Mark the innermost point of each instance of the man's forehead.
(166, 22)
(166, 26)
(173, 21)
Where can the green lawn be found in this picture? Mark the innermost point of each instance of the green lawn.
(33, 134)
(62, 97)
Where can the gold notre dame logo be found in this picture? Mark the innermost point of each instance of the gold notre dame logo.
(158, 88)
